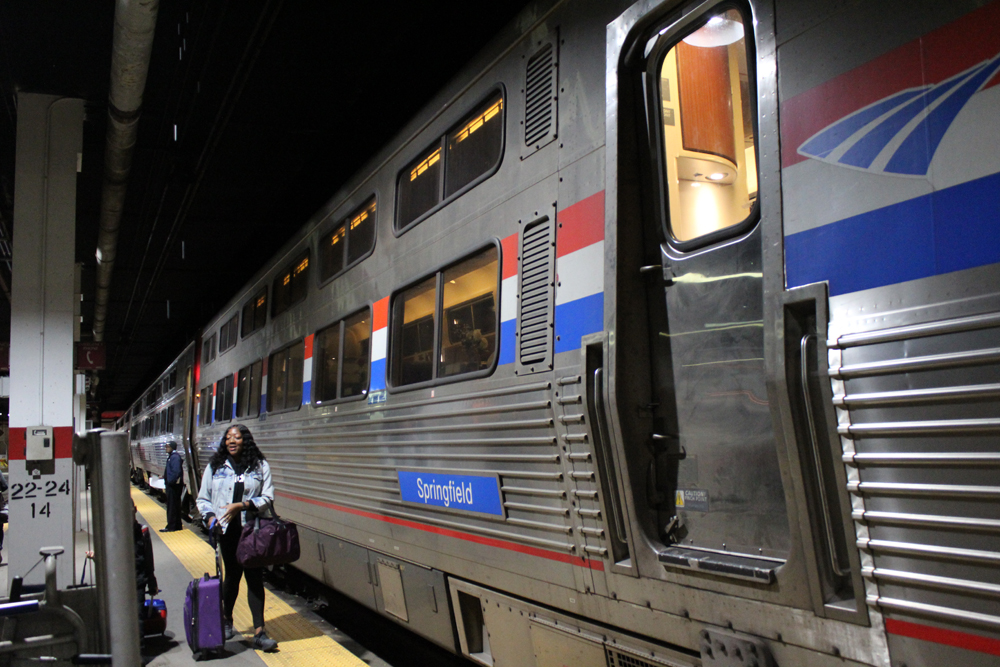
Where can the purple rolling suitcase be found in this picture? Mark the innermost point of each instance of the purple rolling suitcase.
(203, 623)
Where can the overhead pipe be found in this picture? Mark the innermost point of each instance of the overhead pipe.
(132, 46)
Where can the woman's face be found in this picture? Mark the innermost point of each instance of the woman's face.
(234, 442)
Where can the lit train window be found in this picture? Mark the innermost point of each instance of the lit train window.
(248, 391)
(341, 357)
(446, 325)
(227, 334)
(254, 313)
(290, 285)
(284, 378)
(466, 155)
(350, 241)
(709, 143)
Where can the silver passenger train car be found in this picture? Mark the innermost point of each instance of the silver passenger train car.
(162, 414)
(666, 335)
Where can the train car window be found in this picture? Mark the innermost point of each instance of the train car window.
(205, 405)
(254, 313)
(289, 286)
(709, 142)
(468, 329)
(446, 325)
(208, 350)
(227, 334)
(465, 155)
(349, 242)
(413, 316)
(248, 392)
(474, 147)
(173, 378)
(418, 187)
(341, 356)
(224, 399)
(284, 378)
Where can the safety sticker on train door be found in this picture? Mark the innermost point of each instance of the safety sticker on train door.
(695, 500)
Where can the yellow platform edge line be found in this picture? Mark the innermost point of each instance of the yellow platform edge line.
(299, 642)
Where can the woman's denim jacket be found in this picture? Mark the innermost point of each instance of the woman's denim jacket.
(217, 490)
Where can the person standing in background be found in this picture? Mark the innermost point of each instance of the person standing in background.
(174, 486)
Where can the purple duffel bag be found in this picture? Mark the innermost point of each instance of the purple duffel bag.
(268, 541)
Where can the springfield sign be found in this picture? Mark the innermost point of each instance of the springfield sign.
(470, 493)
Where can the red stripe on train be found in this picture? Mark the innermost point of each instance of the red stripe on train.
(580, 225)
(954, 638)
(478, 539)
(509, 247)
(380, 314)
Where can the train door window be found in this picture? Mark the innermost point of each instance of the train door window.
(284, 378)
(170, 419)
(464, 156)
(349, 242)
(290, 285)
(224, 399)
(248, 392)
(254, 313)
(446, 325)
(341, 357)
(709, 142)
(227, 334)
(208, 350)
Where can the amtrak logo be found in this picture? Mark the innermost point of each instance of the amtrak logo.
(899, 134)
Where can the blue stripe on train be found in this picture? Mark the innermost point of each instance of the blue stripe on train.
(508, 347)
(948, 230)
(378, 375)
(576, 319)
(307, 392)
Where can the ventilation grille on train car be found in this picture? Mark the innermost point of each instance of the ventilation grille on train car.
(536, 290)
(617, 658)
(919, 426)
(540, 98)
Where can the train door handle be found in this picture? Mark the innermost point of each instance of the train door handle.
(814, 444)
(611, 494)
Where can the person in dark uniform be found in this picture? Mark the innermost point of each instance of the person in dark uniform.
(174, 487)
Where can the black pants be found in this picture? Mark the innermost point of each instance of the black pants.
(174, 492)
(234, 572)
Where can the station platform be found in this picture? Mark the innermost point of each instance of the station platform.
(303, 638)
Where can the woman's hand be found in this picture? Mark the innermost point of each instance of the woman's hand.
(232, 510)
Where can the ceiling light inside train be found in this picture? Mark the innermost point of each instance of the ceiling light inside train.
(716, 176)
(719, 31)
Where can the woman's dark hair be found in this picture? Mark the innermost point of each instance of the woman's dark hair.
(250, 455)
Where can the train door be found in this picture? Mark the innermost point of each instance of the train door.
(714, 462)
(716, 480)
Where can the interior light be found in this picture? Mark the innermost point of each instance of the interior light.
(696, 185)
(719, 31)
(716, 176)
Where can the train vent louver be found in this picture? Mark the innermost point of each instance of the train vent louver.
(536, 283)
(540, 99)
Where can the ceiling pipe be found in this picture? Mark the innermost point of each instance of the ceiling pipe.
(132, 46)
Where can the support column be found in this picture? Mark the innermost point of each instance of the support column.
(49, 140)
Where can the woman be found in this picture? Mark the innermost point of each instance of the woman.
(237, 479)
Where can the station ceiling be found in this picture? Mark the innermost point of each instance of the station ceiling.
(275, 103)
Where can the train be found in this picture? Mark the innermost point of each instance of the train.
(567, 374)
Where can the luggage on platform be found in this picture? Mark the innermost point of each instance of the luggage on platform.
(154, 621)
(203, 621)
